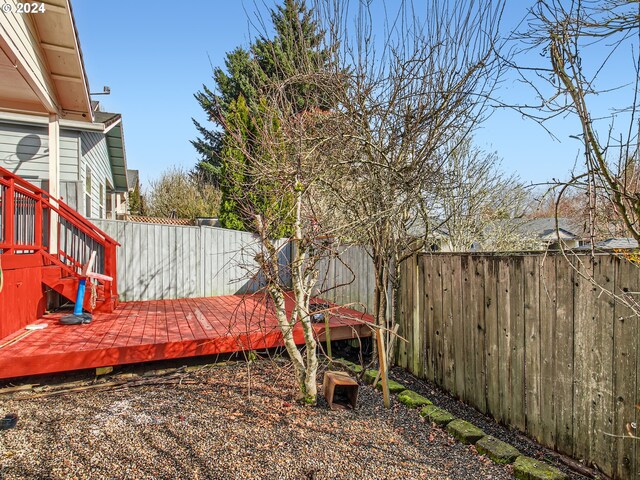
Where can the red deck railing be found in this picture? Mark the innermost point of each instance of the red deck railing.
(26, 214)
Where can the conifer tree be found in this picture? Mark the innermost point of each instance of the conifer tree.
(291, 52)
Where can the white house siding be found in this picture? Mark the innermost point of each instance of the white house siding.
(22, 37)
(95, 156)
(24, 150)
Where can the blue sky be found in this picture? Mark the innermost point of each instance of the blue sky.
(155, 55)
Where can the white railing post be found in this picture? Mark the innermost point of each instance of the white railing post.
(54, 179)
(203, 261)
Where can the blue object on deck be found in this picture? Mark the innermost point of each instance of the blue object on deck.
(78, 317)
(80, 296)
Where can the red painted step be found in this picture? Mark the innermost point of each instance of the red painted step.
(68, 288)
(30, 265)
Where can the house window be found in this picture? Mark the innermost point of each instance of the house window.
(87, 187)
(110, 205)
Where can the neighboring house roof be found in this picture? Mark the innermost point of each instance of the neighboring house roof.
(548, 230)
(543, 229)
(133, 177)
(539, 228)
(526, 233)
(42, 64)
(107, 118)
(416, 228)
(614, 243)
(114, 133)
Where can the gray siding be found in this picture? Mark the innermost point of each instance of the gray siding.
(24, 150)
(157, 262)
(95, 156)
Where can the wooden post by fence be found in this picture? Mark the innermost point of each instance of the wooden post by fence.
(382, 360)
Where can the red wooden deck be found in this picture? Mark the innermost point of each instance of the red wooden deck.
(156, 330)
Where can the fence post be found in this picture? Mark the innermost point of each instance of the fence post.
(416, 326)
(202, 261)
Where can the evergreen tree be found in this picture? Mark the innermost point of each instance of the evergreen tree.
(293, 51)
(240, 80)
(232, 171)
(136, 201)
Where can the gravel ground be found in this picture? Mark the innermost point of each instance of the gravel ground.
(459, 409)
(213, 429)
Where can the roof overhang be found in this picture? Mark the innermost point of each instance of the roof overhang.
(117, 154)
(25, 119)
(41, 63)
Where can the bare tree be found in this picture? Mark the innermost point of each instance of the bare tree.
(366, 165)
(482, 207)
(177, 193)
(282, 153)
(577, 41)
(412, 90)
(581, 40)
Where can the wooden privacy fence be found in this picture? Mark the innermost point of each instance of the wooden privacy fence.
(171, 261)
(530, 341)
(348, 279)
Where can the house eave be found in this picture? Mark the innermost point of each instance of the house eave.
(114, 135)
(42, 61)
(27, 119)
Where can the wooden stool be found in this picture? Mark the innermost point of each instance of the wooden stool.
(340, 390)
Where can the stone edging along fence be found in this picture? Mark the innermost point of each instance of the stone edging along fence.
(529, 341)
(524, 468)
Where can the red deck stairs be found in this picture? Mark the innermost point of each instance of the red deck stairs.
(44, 244)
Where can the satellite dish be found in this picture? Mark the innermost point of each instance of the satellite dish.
(28, 147)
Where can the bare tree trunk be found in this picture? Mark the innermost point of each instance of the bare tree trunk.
(305, 372)
(379, 305)
(277, 296)
(302, 284)
(393, 311)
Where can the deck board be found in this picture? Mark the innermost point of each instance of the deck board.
(160, 329)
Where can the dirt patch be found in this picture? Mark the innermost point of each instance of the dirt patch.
(215, 429)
